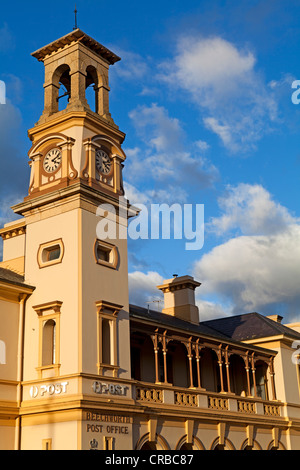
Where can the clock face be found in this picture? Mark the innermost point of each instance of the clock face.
(52, 160)
(103, 162)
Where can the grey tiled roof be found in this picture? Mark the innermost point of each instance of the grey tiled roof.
(172, 322)
(11, 277)
(250, 326)
(234, 329)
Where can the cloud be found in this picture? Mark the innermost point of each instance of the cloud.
(132, 66)
(154, 196)
(143, 288)
(250, 210)
(166, 155)
(221, 79)
(14, 168)
(259, 269)
(255, 273)
(208, 63)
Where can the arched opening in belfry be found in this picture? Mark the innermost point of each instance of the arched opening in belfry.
(61, 84)
(91, 88)
(64, 90)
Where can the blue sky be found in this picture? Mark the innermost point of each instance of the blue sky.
(203, 93)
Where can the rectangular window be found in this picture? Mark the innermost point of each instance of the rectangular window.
(47, 444)
(107, 349)
(53, 253)
(108, 443)
(106, 254)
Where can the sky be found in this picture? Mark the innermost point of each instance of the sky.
(204, 95)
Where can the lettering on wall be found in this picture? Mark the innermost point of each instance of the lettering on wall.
(48, 390)
(111, 389)
(108, 424)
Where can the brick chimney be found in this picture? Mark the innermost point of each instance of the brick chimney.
(179, 298)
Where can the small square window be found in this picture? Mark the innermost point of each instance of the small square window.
(103, 253)
(52, 253)
(106, 254)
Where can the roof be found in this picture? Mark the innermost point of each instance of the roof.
(250, 326)
(76, 36)
(10, 277)
(140, 313)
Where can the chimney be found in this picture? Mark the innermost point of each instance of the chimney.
(276, 318)
(179, 297)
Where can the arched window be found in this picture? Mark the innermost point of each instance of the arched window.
(49, 340)
(2, 352)
(148, 446)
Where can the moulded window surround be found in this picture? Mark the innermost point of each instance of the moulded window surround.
(49, 337)
(107, 350)
(50, 253)
(106, 254)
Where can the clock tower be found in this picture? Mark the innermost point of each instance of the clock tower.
(76, 330)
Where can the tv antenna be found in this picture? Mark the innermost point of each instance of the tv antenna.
(153, 302)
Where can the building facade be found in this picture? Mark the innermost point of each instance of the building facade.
(79, 367)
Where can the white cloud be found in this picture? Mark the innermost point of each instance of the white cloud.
(154, 196)
(255, 273)
(202, 145)
(166, 155)
(132, 65)
(251, 210)
(143, 288)
(222, 130)
(221, 79)
(208, 63)
(209, 310)
(260, 268)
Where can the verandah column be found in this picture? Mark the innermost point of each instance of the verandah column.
(156, 349)
(220, 362)
(164, 343)
(247, 367)
(253, 374)
(190, 358)
(272, 374)
(197, 349)
(227, 363)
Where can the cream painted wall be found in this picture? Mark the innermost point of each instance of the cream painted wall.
(7, 437)
(14, 247)
(64, 435)
(9, 321)
(107, 284)
(53, 283)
